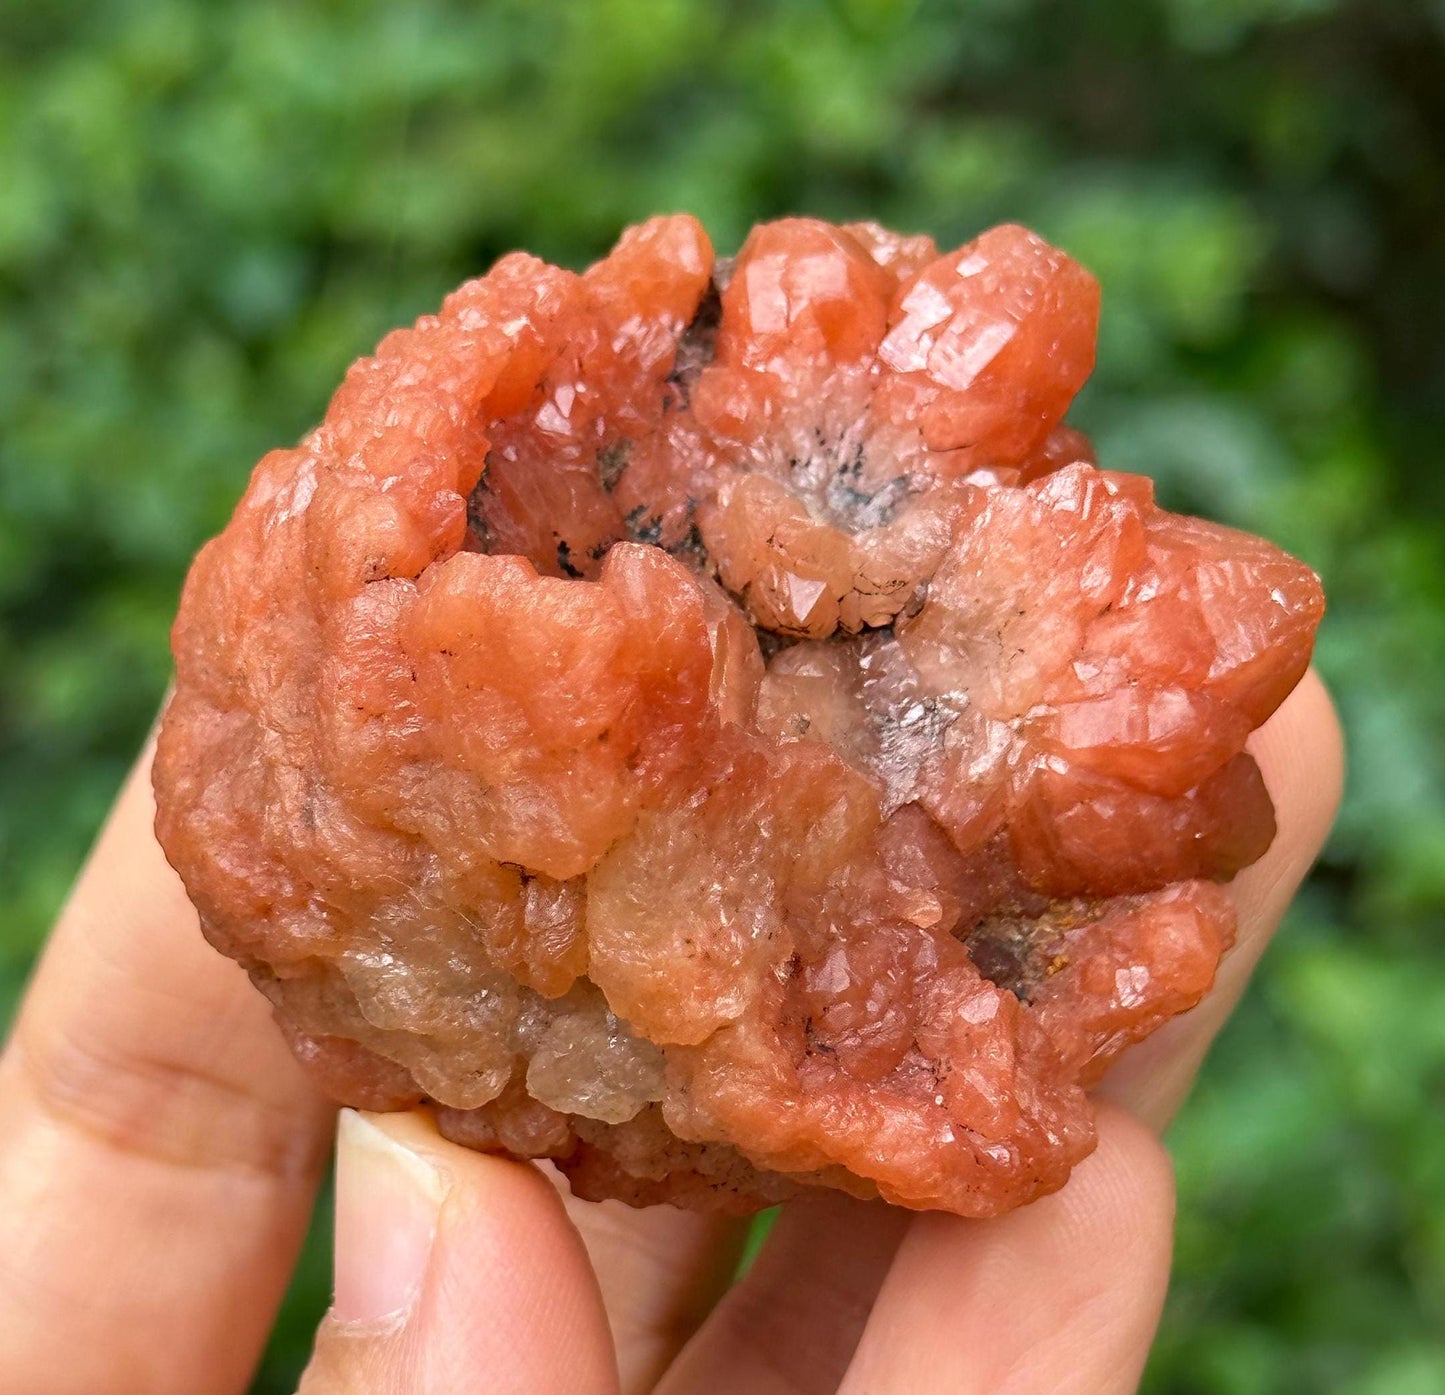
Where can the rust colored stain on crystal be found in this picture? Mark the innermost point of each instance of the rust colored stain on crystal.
(711, 724)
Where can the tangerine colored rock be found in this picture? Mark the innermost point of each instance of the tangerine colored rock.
(711, 724)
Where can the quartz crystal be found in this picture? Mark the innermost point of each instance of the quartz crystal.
(711, 723)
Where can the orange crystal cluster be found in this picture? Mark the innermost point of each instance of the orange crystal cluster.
(710, 724)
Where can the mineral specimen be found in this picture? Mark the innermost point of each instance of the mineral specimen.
(711, 724)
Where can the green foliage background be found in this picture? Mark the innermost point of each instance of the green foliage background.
(208, 207)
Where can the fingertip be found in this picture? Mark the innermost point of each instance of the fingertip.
(450, 1262)
(1300, 751)
(388, 1201)
(1062, 1295)
(1124, 1190)
(474, 1179)
(1301, 754)
(499, 1222)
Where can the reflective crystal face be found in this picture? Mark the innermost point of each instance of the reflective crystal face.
(712, 724)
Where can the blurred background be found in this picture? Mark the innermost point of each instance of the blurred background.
(208, 207)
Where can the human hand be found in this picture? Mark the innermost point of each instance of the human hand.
(161, 1151)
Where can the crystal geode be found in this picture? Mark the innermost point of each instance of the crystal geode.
(710, 724)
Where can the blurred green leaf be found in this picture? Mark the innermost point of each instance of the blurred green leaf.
(208, 209)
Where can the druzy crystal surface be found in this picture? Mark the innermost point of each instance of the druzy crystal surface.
(711, 724)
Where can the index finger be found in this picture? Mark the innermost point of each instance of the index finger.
(160, 1148)
(1301, 754)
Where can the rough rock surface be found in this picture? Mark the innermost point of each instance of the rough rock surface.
(711, 724)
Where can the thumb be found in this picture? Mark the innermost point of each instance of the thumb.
(455, 1272)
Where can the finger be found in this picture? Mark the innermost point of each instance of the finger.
(661, 1271)
(1301, 755)
(455, 1272)
(160, 1147)
(1062, 1296)
(790, 1326)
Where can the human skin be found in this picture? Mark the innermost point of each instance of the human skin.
(161, 1150)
